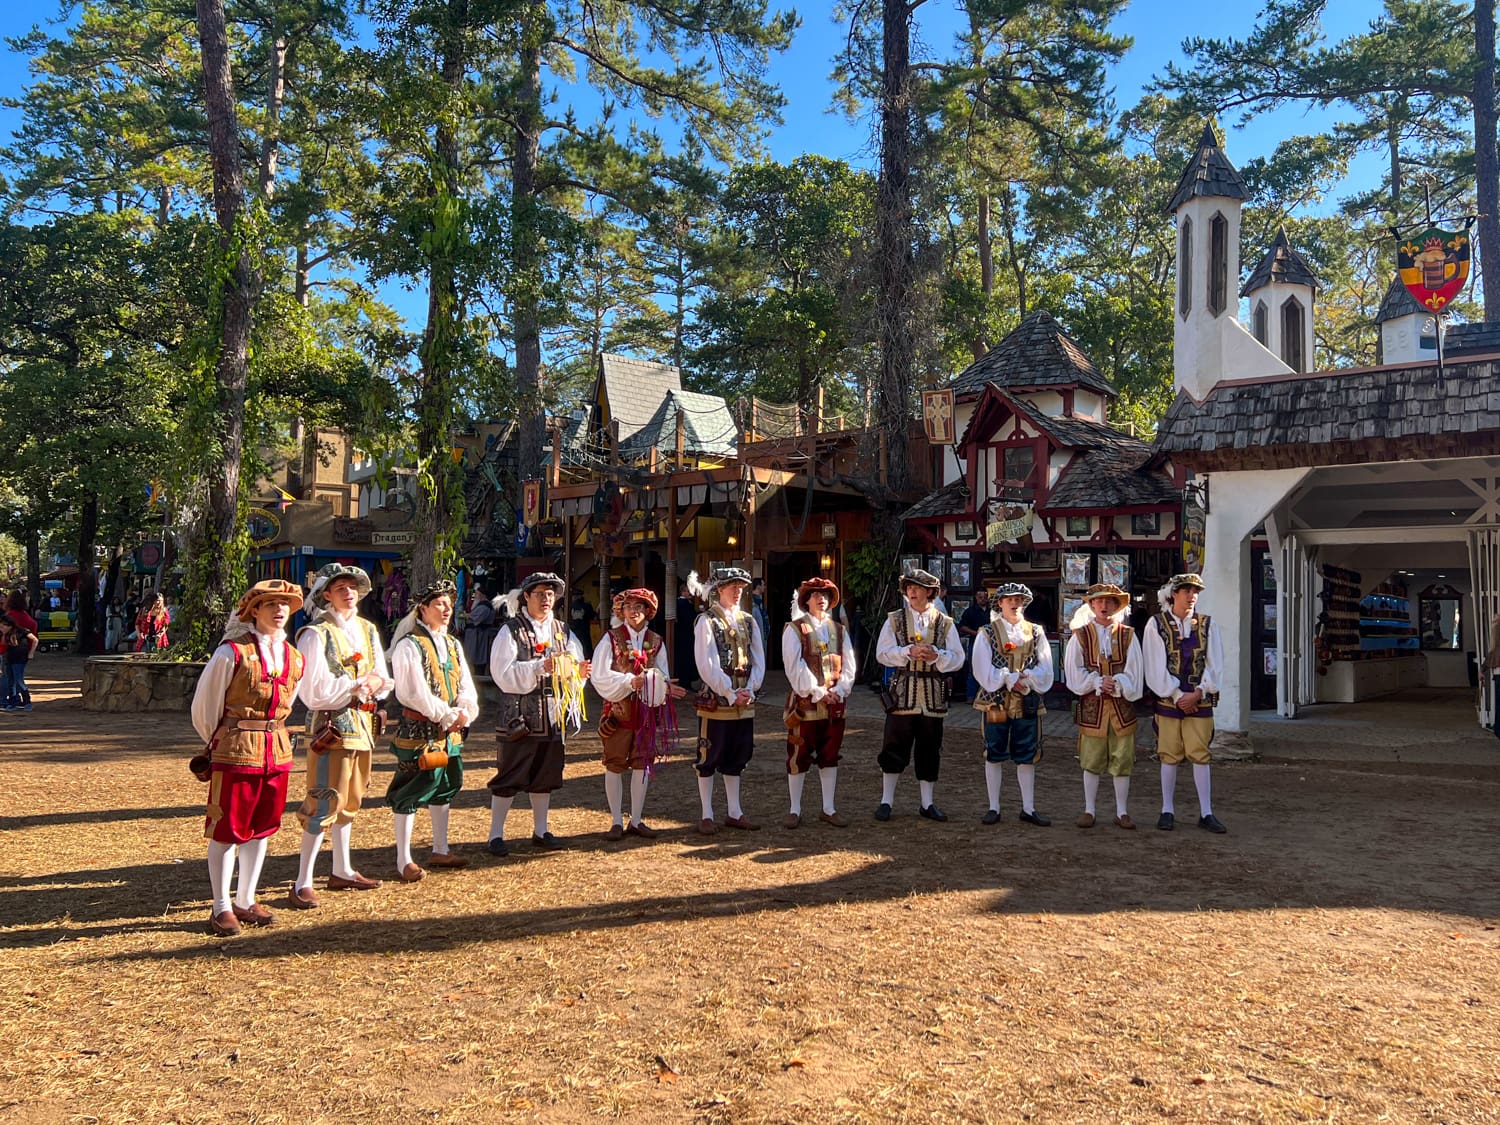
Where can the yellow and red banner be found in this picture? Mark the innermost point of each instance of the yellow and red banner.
(1434, 266)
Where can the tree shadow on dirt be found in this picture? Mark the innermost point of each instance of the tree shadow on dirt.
(96, 816)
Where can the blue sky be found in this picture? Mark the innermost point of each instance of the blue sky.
(1158, 28)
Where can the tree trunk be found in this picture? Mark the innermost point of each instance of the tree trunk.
(526, 255)
(213, 561)
(893, 236)
(88, 584)
(275, 90)
(34, 566)
(435, 525)
(1486, 157)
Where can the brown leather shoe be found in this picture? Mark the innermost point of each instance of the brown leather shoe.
(358, 883)
(707, 827)
(743, 823)
(411, 873)
(224, 924)
(833, 818)
(305, 899)
(641, 830)
(616, 832)
(1086, 820)
(256, 915)
(1125, 822)
(446, 859)
(791, 820)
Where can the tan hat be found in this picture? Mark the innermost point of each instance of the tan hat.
(271, 588)
(1107, 590)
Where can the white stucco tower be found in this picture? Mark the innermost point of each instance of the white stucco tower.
(1408, 332)
(1281, 290)
(1208, 343)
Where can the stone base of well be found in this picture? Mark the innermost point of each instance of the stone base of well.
(134, 683)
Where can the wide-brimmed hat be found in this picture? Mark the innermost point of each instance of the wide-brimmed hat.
(1184, 581)
(442, 588)
(817, 586)
(1014, 590)
(1107, 590)
(635, 594)
(724, 575)
(924, 578)
(271, 588)
(328, 575)
(543, 578)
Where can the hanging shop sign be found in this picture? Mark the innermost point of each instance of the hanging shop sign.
(1434, 266)
(937, 416)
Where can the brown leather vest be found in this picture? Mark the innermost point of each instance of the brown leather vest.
(627, 711)
(827, 666)
(1098, 713)
(256, 696)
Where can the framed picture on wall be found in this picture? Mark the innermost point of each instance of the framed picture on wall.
(957, 605)
(1145, 524)
(961, 575)
(938, 565)
(1116, 569)
(1268, 617)
(910, 563)
(1069, 608)
(1268, 660)
(1080, 527)
(1268, 576)
(1044, 560)
(967, 530)
(1076, 570)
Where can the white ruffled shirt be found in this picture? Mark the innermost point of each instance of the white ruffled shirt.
(213, 684)
(413, 690)
(616, 686)
(808, 682)
(993, 679)
(323, 689)
(1081, 681)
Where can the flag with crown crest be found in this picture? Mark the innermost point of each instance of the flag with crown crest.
(1434, 266)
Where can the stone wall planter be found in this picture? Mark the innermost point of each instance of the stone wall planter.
(133, 683)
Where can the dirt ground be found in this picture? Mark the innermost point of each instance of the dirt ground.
(1332, 959)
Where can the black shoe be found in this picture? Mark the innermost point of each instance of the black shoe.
(883, 812)
(932, 812)
(1211, 823)
(1166, 822)
(991, 817)
(497, 846)
(547, 842)
(1036, 818)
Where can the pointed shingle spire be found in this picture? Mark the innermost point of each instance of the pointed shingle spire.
(1208, 173)
(1281, 263)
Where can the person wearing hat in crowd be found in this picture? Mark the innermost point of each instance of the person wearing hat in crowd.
(922, 644)
(1184, 665)
(818, 656)
(240, 706)
(439, 702)
(731, 657)
(622, 666)
(530, 654)
(1013, 664)
(347, 677)
(1102, 666)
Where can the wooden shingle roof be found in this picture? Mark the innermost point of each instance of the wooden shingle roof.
(946, 502)
(1208, 173)
(1397, 301)
(1037, 353)
(1281, 263)
(1295, 414)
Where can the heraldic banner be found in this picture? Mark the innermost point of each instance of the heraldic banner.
(1434, 266)
(937, 417)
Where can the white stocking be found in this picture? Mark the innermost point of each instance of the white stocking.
(706, 796)
(440, 827)
(732, 797)
(638, 782)
(828, 778)
(252, 859)
(1026, 779)
(926, 788)
(220, 872)
(1205, 799)
(1168, 788)
(1090, 791)
(499, 810)
(888, 788)
(1122, 795)
(994, 775)
(405, 822)
(541, 803)
(794, 784)
(311, 842)
(614, 794)
(343, 861)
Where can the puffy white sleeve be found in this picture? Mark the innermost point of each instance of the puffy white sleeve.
(514, 676)
(706, 655)
(611, 685)
(1213, 671)
(757, 657)
(951, 655)
(887, 651)
(1040, 678)
(208, 696)
(412, 688)
(1154, 664)
(1132, 682)
(321, 689)
(799, 676)
(468, 690)
(989, 677)
(1079, 679)
(846, 676)
(378, 663)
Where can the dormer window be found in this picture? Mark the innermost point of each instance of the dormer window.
(1292, 318)
(1218, 264)
(1185, 267)
(1018, 463)
(1261, 323)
